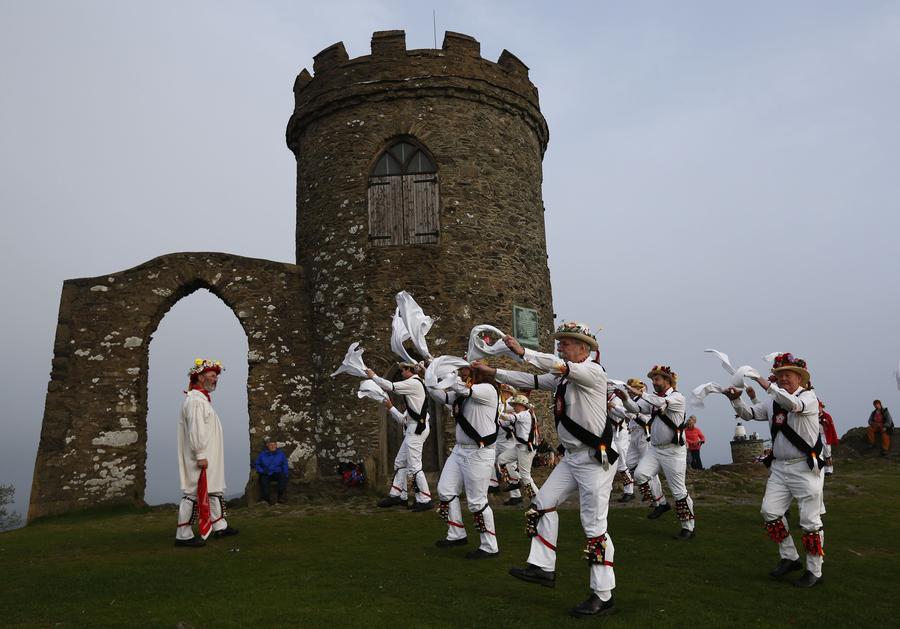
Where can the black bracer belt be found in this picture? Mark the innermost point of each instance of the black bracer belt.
(469, 429)
(779, 425)
(678, 431)
(422, 416)
(583, 434)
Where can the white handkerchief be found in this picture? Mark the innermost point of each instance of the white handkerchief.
(399, 333)
(368, 388)
(618, 384)
(353, 363)
(441, 373)
(745, 371)
(416, 322)
(771, 357)
(479, 349)
(726, 363)
(700, 393)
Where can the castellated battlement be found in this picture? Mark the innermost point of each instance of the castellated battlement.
(391, 71)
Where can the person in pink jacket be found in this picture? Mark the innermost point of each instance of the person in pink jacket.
(694, 438)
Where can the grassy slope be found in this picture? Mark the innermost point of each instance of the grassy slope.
(366, 569)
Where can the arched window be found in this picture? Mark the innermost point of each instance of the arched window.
(403, 197)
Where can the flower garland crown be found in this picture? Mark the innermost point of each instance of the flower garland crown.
(787, 360)
(204, 364)
(663, 370)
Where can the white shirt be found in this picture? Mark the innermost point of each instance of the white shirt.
(519, 422)
(585, 396)
(671, 404)
(413, 391)
(200, 437)
(803, 417)
(480, 406)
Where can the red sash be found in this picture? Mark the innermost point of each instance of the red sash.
(203, 506)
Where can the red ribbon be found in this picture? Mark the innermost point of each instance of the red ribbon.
(203, 506)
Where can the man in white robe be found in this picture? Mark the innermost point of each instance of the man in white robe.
(522, 423)
(639, 435)
(201, 447)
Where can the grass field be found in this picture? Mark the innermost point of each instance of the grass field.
(359, 567)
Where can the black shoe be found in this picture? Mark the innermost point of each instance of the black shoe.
(423, 506)
(494, 489)
(513, 501)
(593, 606)
(481, 554)
(684, 535)
(228, 531)
(626, 498)
(391, 501)
(533, 574)
(808, 580)
(784, 566)
(658, 510)
(194, 542)
(448, 543)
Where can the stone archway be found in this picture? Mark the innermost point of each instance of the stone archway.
(94, 433)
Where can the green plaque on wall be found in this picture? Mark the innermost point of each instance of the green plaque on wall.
(525, 326)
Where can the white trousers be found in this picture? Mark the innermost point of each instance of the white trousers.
(673, 463)
(469, 470)
(623, 445)
(503, 447)
(185, 530)
(408, 465)
(637, 448)
(576, 470)
(522, 459)
(790, 480)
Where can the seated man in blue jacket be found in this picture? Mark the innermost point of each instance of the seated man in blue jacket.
(272, 466)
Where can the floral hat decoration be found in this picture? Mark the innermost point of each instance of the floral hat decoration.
(787, 362)
(520, 399)
(634, 383)
(202, 365)
(665, 371)
(576, 330)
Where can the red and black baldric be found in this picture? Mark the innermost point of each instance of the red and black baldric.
(779, 424)
(421, 417)
(677, 429)
(468, 428)
(597, 444)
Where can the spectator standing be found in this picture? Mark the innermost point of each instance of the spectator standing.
(695, 439)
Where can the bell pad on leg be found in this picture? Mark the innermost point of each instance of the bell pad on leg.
(776, 530)
(595, 550)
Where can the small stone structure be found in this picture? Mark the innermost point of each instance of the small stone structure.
(417, 170)
(747, 449)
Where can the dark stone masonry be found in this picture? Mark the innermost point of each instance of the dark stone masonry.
(474, 245)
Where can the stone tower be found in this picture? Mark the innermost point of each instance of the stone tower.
(417, 170)
(462, 231)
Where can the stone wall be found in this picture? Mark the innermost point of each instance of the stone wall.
(745, 450)
(94, 434)
(481, 123)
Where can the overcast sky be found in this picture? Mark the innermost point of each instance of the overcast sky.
(720, 174)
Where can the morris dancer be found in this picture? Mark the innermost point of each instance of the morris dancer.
(619, 420)
(639, 435)
(588, 464)
(476, 405)
(408, 462)
(667, 449)
(523, 425)
(506, 450)
(794, 464)
(200, 447)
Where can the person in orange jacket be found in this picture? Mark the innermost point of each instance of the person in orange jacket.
(694, 438)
